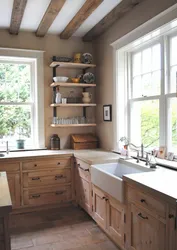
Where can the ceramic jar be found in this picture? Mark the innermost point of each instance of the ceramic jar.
(86, 97)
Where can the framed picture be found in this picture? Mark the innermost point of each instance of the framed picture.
(107, 113)
(170, 156)
(161, 152)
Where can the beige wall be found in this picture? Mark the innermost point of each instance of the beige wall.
(52, 45)
(104, 60)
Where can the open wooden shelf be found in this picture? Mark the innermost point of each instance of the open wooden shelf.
(73, 105)
(72, 125)
(71, 84)
(72, 65)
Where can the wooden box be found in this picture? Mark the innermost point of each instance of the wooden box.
(84, 141)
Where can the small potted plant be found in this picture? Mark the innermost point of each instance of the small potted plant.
(20, 141)
(125, 142)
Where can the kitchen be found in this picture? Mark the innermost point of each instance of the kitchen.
(133, 209)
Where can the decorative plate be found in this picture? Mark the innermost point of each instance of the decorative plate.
(89, 77)
(87, 58)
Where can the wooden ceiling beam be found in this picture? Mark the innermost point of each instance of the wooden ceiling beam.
(85, 11)
(51, 13)
(119, 11)
(17, 15)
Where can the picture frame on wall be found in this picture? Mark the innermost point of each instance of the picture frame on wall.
(107, 113)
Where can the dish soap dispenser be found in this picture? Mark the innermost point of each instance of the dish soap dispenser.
(152, 161)
(58, 96)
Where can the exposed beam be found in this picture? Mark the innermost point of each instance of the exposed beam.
(120, 10)
(51, 13)
(84, 12)
(17, 15)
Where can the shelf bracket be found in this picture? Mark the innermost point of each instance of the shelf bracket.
(84, 112)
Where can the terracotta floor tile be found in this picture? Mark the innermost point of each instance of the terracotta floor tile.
(67, 228)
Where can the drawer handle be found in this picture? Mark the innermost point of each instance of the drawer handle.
(170, 216)
(35, 196)
(58, 163)
(35, 178)
(143, 200)
(86, 170)
(35, 165)
(59, 176)
(143, 217)
(59, 192)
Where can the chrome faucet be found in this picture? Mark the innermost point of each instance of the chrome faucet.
(147, 159)
(138, 157)
(142, 150)
(7, 147)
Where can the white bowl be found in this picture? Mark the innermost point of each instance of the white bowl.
(60, 79)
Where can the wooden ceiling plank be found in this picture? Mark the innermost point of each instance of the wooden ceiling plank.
(119, 11)
(85, 11)
(51, 13)
(17, 15)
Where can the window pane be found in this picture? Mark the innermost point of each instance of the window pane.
(173, 79)
(147, 85)
(137, 64)
(173, 125)
(137, 87)
(156, 57)
(15, 123)
(173, 57)
(145, 123)
(15, 82)
(146, 60)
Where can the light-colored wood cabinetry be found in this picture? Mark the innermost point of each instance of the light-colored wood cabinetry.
(14, 181)
(150, 221)
(145, 231)
(14, 187)
(83, 185)
(99, 207)
(109, 215)
(47, 181)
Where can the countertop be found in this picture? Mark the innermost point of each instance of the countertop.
(5, 199)
(89, 156)
(160, 180)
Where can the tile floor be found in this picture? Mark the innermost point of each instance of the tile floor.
(57, 229)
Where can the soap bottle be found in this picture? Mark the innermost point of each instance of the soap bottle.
(58, 96)
(152, 161)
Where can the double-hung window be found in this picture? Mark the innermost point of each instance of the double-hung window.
(152, 94)
(20, 102)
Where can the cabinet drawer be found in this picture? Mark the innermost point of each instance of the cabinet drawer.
(83, 170)
(47, 195)
(50, 177)
(9, 167)
(151, 203)
(47, 164)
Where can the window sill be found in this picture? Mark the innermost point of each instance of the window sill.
(160, 162)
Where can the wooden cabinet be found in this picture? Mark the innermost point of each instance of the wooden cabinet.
(99, 207)
(14, 187)
(115, 220)
(172, 232)
(83, 186)
(145, 232)
(13, 174)
(109, 215)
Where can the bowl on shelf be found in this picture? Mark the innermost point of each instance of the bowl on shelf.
(75, 80)
(60, 79)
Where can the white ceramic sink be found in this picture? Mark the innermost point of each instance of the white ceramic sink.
(108, 176)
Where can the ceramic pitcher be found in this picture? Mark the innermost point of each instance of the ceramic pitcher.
(86, 97)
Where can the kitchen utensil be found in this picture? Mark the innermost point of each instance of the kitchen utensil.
(60, 79)
(89, 77)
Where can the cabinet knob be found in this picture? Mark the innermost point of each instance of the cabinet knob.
(170, 216)
(58, 163)
(143, 200)
(35, 178)
(35, 165)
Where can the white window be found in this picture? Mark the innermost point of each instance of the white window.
(147, 90)
(20, 102)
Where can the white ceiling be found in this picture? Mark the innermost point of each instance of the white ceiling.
(35, 10)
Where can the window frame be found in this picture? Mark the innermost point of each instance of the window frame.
(35, 59)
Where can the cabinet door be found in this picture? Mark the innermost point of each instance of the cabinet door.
(14, 187)
(171, 229)
(144, 231)
(115, 221)
(99, 207)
